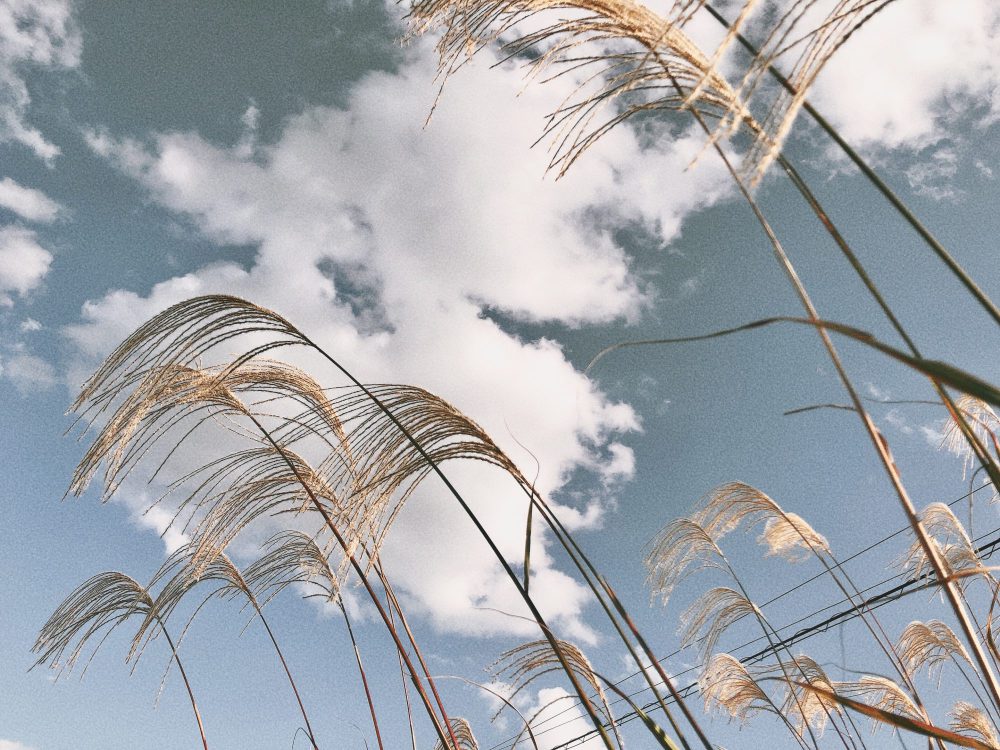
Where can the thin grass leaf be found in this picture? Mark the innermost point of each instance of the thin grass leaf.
(942, 371)
(902, 722)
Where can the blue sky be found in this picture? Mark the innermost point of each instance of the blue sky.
(280, 153)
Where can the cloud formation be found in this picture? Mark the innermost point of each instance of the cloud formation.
(23, 263)
(914, 68)
(28, 373)
(14, 745)
(32, 33)
(390, 243)
(28, 203)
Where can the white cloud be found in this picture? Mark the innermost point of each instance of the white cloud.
(387, 243)
(28, 373)
(37, 33)
(560, 720)
(933, 177)
(916, 66)
(28, 203)
(29, 325)
(159, 520)
(897, 420)
(23, 262)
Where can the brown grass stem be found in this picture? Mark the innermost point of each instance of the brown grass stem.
(361, 671)
(445, 736)
(894, 200)
(475, 520)
(187, 687)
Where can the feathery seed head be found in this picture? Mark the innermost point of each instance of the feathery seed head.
(972, 722)
(726, 684)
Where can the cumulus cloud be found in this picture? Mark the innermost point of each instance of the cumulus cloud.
(28, 203)
(389, 243)
(23, 262)
(915, 67)
(32, 33)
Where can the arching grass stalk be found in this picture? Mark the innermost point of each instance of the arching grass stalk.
(395, 606)
(951, 375)
(154, 367)
(708, 545)
(184, 578)
(364, 676)
(105, 600)
(959, 417)
(445, 732)
(598, 724)
(295, 557)
(878, 442)
(406, 692)
(956, 269)
(187, 687)
(614, 609)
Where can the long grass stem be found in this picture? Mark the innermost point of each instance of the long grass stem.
(924, 233)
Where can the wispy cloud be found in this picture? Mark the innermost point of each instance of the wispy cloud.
(28, 372)
(14, 745)
(40, 33)
(28, 203)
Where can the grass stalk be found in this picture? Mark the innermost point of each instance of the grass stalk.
(446, 736)
(878, 442)
(592, 714)
(364, 676)
(187, 686)
(956, 269)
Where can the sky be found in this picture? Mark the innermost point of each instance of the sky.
(283, 153)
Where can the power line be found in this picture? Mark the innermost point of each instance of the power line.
(911, 585)
(797, 636)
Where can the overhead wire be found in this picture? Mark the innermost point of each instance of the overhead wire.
(879, 600)
(911, 585)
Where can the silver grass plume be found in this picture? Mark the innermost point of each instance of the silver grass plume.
(884, 694)
(710, 616)
(727, 685)
(94, 609)
(639, 61)
(524, 664)
(179, 575)
(929, 644)
(807, 707)
(800, 40)
(153, 381)
(984, 423)
(462, 731)
(626, 54)
(786, 534)
(970, 721)
(292, 557)
(680, 549)
(952, 542)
